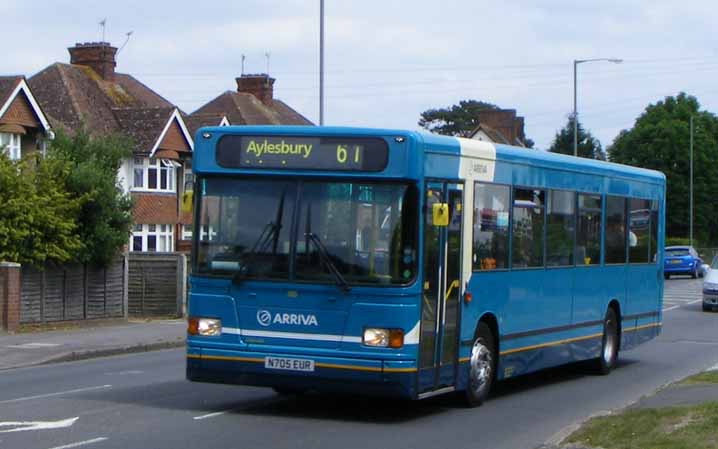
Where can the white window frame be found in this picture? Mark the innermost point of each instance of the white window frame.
(207, 233)
(11, 143)
(163, 235)
(159, 166)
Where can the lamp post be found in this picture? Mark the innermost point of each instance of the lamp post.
(321, 62)
(690, 237)
(576, 62)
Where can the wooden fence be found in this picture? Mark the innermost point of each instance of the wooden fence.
(73, 292)
(157, 284)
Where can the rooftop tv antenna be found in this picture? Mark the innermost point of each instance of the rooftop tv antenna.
(267, 54)
(103, 25)
(243, 58)
(127, 39)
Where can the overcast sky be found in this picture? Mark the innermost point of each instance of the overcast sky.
(389, 60)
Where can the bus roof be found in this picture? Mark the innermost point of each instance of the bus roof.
(435, 143)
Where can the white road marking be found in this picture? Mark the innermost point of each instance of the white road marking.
(59, 393)
(211, 415)
(124, 373)
(22, 426)
(33, 345)
(668, 309)
(81, 443)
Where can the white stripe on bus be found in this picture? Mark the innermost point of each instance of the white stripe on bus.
(411, 338)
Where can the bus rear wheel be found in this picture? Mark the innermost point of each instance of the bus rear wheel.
(482, 367)
(609, 348)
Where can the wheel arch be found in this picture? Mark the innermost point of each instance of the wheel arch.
(493, 323)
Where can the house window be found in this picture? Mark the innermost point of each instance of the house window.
(154, 174)
(152, 238)
(10, 143)
(207, 233)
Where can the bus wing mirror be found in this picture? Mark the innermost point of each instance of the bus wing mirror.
(186, 205)
(440, 214)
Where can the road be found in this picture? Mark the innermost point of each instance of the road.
(143, 401)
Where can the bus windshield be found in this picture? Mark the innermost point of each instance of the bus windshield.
(307, 231)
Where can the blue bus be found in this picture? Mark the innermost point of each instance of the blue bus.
(401, 263)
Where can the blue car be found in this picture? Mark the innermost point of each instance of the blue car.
(682, 260)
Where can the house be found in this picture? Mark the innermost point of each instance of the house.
(89, 92)
(252, 104)
(24, 128)
(500, 126)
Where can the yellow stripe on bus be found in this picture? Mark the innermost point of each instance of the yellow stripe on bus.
(550, 343)
(318, 364)
(571, 340)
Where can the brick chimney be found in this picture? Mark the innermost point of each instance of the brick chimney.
(100, 56)
(261, 86)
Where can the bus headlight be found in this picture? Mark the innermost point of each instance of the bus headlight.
(383, 338)
(206, 327)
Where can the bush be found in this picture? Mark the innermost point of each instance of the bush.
(104, 217)
(38, 217)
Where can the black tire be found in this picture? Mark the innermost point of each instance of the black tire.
(694, 273)
(481, 367)
(606, 361)
(706, 308)
(666, 276)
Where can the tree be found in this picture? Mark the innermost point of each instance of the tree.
(37, 217)
(588, 146)
(660, 140)
(104, 218)
(457, 120)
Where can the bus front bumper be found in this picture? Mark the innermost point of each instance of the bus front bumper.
(327, 374)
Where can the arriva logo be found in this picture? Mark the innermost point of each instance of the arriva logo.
(264, 318)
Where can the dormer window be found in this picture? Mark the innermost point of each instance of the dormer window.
(10, 143)
(157, 175)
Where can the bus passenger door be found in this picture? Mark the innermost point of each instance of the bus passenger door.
(438, 344)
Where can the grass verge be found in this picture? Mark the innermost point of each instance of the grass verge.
(694, 427)
(706, 377)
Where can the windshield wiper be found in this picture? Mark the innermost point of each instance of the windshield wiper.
(270, 233)
(324, 255)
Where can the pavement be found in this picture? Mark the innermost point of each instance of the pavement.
(100, 339)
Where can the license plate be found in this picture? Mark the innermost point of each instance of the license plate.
(674, 262)
(289, 364)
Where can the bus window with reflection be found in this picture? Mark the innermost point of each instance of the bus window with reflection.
(639, 220)
(527, 231)
(491, 226)
(588, 235)
(561, 227)
(615, 241)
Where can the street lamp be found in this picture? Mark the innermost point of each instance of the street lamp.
(576, 62)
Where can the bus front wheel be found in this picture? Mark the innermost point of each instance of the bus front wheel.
(609, 348)
(482, 366)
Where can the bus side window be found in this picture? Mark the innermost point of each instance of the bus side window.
(639, 220)
(616, 236)
(561, 225)
(588, 235)
(491, 226)
(527, 233)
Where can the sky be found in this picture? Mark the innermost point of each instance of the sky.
(386, 61)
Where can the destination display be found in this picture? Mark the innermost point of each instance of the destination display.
(304, 153)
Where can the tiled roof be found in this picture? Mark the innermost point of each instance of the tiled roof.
(242, 108)
(143, 125)
(72, 95)
(7, 85)
(196, 121)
